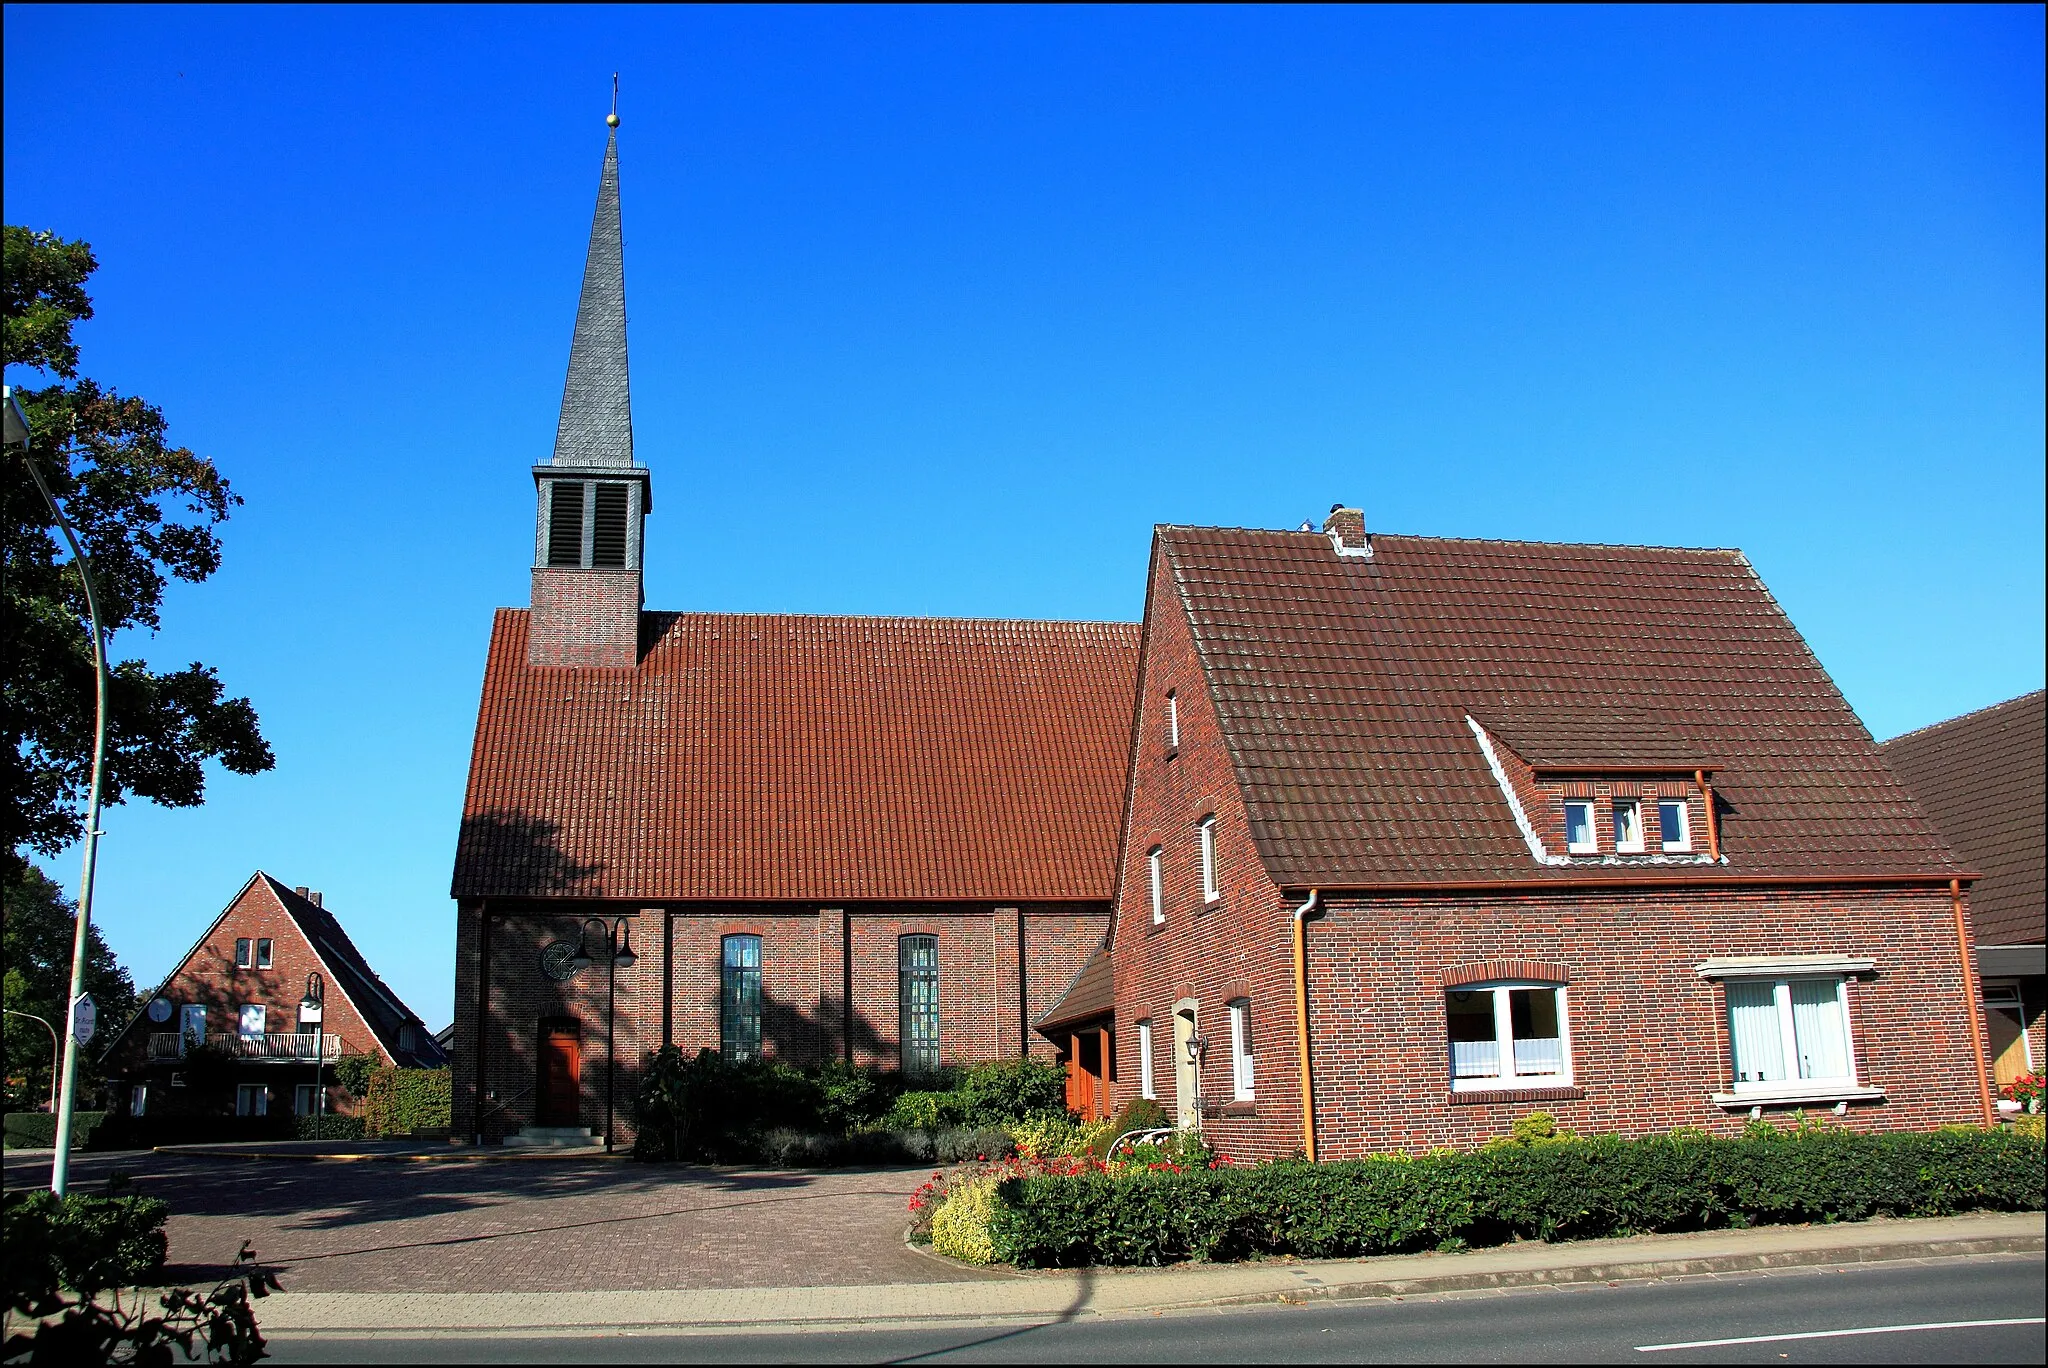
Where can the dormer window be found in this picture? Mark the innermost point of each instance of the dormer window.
(1578, 828)
(1674, 824)
(1628, 826)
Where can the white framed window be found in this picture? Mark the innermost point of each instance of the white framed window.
(1674, 823)
(1790, 1032)
(1578, 828)
(1207, 829)
(1146, 1087)
(1155, 860)
(138, 1099)
(252, 1019)
(242, 952)
(1241, 1049)
(303, 1101)
(263, 952)
(1508, 1035)
(252, 1099)
(1172, 720)
(1628, 826)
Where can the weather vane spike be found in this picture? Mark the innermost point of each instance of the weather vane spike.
(612, 119)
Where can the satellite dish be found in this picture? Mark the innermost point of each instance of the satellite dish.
(159, 1009)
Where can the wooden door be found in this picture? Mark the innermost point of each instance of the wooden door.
(2005, 1025)
(559, 1096)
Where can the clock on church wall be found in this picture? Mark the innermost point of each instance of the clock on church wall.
(558, 960)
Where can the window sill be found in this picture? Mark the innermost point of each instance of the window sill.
(1564, 1092)
(1779, 1097)
(1243, 1107)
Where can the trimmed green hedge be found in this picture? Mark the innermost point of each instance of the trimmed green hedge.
(80, 1243)
(407, 1102)
(1561, 1189)
(38, 1130)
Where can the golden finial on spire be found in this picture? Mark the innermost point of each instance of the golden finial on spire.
(612, 119)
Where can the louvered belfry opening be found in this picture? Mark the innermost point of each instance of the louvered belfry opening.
(608, 534)
(565, 523)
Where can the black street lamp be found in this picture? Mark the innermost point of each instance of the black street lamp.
(618, 955)
(310, 1009)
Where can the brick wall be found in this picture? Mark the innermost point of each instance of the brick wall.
(586, 618)
(210, 978)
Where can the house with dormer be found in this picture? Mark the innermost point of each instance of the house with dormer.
(1424, 833)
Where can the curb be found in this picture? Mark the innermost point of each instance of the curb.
(472, 1156)
(1635, 1270)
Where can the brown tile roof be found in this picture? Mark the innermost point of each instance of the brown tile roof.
(1343, 684)
(815, 758)
(1980, 776)
(348, 970)
(1091, 994)
(1593, 739)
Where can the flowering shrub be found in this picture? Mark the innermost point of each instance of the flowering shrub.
(2025, 1090)
(1058, 1133)
(960, 1225)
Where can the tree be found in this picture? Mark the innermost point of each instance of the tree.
(145, 511)
(36, 945)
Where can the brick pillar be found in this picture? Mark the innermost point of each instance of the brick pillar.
(462, 1075)
(833, 1041)
(1011, 1028)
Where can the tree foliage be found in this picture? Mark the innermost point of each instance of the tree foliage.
(37, 951)
(146, 512)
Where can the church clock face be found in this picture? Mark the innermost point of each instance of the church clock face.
(558, 960)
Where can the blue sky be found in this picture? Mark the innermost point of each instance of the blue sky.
(938, 311)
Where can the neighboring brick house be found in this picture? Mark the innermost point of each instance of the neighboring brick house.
(1584, 828)
(882, 840)
(241, 991)
(1981, 778)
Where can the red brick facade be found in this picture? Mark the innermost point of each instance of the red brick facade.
(998, 968)
(587, 618)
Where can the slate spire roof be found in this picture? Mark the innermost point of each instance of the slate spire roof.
(596, 428)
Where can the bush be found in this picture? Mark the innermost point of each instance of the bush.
(960, 1226)
(715, 1109)
(38, 1130)
(1010, 1090)
(82, 1244)
(925, 1110)
(407, 1102)
(354, 1072)
(1532, 1186)
(327, 1127)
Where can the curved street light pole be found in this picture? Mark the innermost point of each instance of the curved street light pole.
(54, 1047)
(618, 947)
(60, 1164)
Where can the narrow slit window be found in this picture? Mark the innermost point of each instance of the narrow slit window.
(1146, 1088)
(1154, 862)
(1210, 891)
(739, 1016)
(608, 533)
(1172, 720)
(565, 523)
(917, 960)
(1241, 1059)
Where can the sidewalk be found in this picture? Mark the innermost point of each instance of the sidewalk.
(1068, 1294)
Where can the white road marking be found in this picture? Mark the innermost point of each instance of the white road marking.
(1837, 1334)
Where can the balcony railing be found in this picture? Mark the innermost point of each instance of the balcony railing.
(283, 1049)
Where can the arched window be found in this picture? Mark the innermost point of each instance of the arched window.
(739, 1014)
(917, 998)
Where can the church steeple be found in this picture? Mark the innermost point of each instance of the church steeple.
(593, 498)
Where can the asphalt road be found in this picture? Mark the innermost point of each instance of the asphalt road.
(1650, 1323)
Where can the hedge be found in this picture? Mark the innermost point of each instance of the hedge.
(407, 1102)
(38, 1130)
(81, 1243)
(1560, 1189)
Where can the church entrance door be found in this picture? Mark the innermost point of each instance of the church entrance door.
(559, 1096)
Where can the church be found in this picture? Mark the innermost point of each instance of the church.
(1355, 844)
(889, 841)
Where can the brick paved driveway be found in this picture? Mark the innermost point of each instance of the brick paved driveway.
(536, 1225)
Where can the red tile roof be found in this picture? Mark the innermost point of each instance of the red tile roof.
(1343, 684)
(815, 758)
(1981, 777)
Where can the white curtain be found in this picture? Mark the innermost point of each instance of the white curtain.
(1753, 1024)
(1817, 1027)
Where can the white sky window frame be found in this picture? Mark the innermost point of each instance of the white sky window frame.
(1674, 815)
(1206, 828)
(1155, 859)
(1581, 837)
(1507, 1061)
(1172, 720)
(1628, 826)
(1241, 1046)
(1147, 1086)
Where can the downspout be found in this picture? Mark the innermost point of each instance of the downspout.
(1308, 1092)
(1699, 777)
(1955, 893)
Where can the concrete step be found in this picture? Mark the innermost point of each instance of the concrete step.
(554, 1137)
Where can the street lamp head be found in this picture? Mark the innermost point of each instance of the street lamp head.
(17, 429)
(625, 958)
(316, 990)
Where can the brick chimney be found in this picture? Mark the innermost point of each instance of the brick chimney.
(1345, 528)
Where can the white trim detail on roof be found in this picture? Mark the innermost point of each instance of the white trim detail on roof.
(1759, 966)
(1507, 791)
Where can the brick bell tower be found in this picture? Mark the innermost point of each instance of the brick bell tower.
(593, 499)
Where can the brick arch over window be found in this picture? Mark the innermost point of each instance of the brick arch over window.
(1485, 971)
